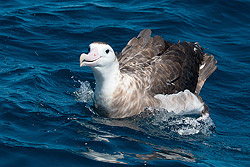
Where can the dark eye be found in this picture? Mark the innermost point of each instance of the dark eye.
(88, 49)
(107, 51)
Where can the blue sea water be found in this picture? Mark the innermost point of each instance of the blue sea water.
(46, 113)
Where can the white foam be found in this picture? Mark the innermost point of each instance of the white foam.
(84, 93)
(191, 126)
(169, 122)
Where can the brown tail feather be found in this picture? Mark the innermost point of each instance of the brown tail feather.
(207, 67)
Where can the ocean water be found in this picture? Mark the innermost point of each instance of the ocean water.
(46, 113)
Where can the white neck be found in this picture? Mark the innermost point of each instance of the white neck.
(107, 78)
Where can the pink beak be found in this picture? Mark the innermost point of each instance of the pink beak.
(89, 59)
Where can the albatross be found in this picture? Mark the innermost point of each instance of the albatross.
(148, 72)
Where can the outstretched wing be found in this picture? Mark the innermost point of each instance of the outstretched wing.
(140, 50)
(176, 69)
(160, 66)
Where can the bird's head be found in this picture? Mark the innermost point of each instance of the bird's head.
(100, 55)
(105, 66)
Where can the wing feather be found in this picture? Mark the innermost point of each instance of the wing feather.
(163, 67)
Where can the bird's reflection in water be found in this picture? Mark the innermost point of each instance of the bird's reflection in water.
(157, 132)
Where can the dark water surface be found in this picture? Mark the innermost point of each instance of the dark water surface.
(46, 118)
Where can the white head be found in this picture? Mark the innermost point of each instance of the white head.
(100, 55)
(104, 64)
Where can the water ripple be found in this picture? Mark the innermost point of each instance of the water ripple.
(46, 99)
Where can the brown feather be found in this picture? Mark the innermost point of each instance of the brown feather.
(172, 67)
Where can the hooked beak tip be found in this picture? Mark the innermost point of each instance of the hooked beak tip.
(82, 57)
(81, 64)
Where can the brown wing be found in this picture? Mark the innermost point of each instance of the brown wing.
(142, 49)
(176, 69)
(162, 67)
(137, 56)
